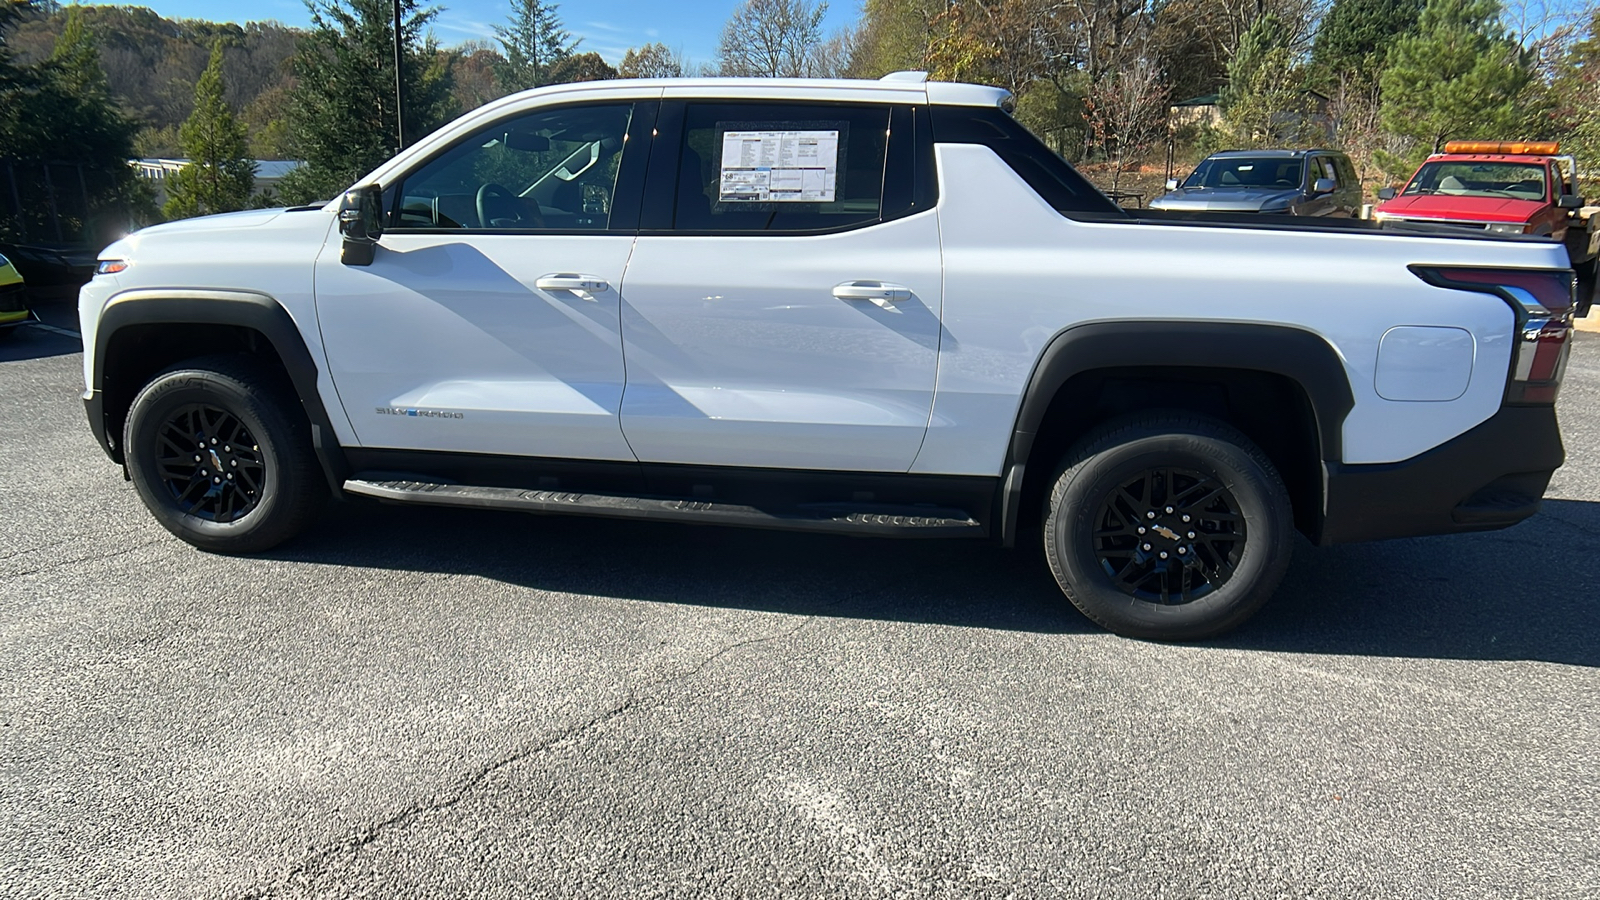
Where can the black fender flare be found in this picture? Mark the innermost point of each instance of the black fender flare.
(251, 310)
(1302, 356)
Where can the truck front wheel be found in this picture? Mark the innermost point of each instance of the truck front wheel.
(1167, 527)
(221, 456)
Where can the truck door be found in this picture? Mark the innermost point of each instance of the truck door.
(782, 305)
(1319, 167)
(489, 320)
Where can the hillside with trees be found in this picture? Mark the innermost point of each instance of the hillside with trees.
(1386, 80)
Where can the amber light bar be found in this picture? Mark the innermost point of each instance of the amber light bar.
(1512, 148)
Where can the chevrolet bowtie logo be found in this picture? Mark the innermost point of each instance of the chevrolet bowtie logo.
(1165, 532)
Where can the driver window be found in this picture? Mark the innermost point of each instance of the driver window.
(552, 170)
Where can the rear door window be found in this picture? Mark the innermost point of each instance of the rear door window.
(780, 167)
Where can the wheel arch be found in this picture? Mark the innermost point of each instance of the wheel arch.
(1242, 373)
(141, 332)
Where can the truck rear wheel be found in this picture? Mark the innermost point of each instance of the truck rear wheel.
(1168, 527)
(221, 456)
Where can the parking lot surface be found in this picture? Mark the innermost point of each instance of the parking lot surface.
(441, 703)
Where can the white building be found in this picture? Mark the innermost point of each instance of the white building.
(269, 173)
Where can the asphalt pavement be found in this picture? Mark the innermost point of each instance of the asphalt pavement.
(440, 703)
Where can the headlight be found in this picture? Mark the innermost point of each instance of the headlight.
(1507, 228)
(110, 266)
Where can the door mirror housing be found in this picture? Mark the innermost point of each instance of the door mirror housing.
(1569, 201)
(1172, 184)
(361, 224)
(1387, 193)
(1323, 186)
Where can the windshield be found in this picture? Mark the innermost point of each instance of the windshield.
(1246, 172)
(1522, 181)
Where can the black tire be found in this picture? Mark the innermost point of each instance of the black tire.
(221, 455)
(1238, 513)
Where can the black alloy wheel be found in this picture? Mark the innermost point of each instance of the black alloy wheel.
(210, 463)
(1167, 526)
(1170, 535)
(220, 452)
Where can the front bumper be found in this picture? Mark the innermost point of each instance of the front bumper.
(1493, 476)
(94, 405)
(14, 304)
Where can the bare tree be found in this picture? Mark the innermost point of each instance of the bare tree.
(835, 57)
(772, 39)
(1127, 111)
(1545, 29)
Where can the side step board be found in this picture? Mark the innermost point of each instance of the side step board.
(839, 518)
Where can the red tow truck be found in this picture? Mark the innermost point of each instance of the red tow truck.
(1502, 187)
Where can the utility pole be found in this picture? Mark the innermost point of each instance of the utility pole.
(399, 83)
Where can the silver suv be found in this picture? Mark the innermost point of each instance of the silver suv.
(1285, 182)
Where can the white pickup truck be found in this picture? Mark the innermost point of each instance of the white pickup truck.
(871, 308)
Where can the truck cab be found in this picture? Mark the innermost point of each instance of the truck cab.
(1501, 187)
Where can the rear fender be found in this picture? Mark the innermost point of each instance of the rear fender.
(1301, 356)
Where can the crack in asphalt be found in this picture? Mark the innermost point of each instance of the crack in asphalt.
(86, 559)
(323, 860)
(26, 550)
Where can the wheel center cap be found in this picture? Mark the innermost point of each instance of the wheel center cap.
(1165, 532)
(215, 459)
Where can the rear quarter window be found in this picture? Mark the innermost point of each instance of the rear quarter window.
(1046, 172)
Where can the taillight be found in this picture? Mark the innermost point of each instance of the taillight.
(1543, 301)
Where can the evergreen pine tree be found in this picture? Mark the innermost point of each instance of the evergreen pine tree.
(61, 110)
(534, 42)
(1354, 35)
(342, 110)
(1459, 75)
(219, 177)
(1265, 101)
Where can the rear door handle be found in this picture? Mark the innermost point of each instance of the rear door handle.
(568, 282)
(881, 293)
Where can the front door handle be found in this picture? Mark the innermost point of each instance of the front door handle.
(581, 284)
(881, 293)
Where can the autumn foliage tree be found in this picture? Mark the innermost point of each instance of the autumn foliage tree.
(1127, 113)
(651, 61)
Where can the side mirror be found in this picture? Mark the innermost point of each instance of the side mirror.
(1323, 186)
(361, 224)
(1387, 193)
(1172, 184)
(1569, 201)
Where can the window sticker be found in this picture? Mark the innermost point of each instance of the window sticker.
(779, 167)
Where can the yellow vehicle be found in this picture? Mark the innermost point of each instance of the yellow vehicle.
(13, 297)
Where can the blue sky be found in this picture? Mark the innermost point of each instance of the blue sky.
(608, 27)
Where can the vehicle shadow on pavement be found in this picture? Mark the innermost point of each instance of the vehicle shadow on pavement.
(1527, 593)
(23, 342)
